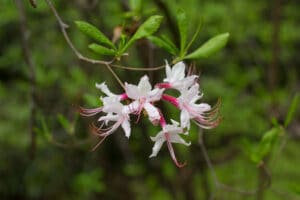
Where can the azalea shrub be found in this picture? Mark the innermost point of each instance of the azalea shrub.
(143, 97)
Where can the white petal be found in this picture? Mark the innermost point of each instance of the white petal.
(174, 122)
(152, 112)
(132, 91)
(131, 108)
(157, 146)
(103, 87)
(126, 128)
(202, 107)
(175, 138)
(109, 117)
(115, 107)
(144, 85)
(168, 72)
(193, 92)
(155, 95)
(185, 119)
(178, 71)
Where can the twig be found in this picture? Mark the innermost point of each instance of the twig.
(32, 3)
(139, 68)
(32, 80)
(63, 26)
(219, 184)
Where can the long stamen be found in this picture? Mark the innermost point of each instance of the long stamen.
(98, 144)
(88, 112)
(172, 153)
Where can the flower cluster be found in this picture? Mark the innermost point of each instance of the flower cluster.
(142, 97)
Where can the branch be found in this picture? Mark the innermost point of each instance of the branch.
(63, 26)
(219, 185)
(32, 3)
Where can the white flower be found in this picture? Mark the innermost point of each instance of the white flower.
(170, 134)
(202, 113)
(176, 77)
(103, 87)
(144, 96)
(117, 113)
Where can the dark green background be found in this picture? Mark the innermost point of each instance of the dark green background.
(256, 76)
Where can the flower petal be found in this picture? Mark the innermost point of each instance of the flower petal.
(185, 119)
(126, 127)
(175, 138)
(132, 91)
(155, 95)
(157, 146)
(152, 112)
(202, 107)
(103, 87)
(144, 85)
(178, 71)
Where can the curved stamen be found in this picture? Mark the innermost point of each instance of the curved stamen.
(88, 112)
(172, 153)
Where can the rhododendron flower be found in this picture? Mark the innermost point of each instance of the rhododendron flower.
(202, 113)
(176, 77)
(116, 113)
(170, 134)
(144, 96)
(119, 114)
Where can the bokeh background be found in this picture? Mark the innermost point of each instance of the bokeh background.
(45, 145)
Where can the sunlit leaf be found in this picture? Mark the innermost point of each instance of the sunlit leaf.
(266, 144)
(101, 50)
(183, 27)
(93, 33)
(163, 44)
(149, 27)
(210, 47)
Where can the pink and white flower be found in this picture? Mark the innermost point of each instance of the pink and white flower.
(176, 77)
(117, 113)
(202, 113)
(170, 134)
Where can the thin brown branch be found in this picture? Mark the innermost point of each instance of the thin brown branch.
(33, 3)
(139, 68)
(219, 185)
(32, 80)
(63, 26)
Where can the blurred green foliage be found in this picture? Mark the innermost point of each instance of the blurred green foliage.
(64, 167)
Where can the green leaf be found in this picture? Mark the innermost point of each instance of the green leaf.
(163, 44)
(63, 121)
(135, 5)
(266, 144)
(101, 50)
(292, 110)
(210, 47)
(149, 27)
(93, 33)
(183, 28)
